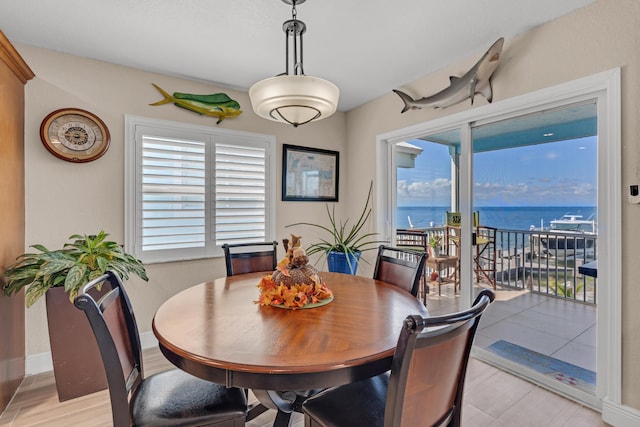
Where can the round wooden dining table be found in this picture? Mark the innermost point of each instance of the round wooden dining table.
(216, 331)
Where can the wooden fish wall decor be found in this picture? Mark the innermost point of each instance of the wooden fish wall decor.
(216, 105)
(476, 80)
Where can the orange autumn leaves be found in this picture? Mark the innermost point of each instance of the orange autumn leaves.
(295, 296)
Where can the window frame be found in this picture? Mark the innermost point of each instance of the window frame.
(132, 205)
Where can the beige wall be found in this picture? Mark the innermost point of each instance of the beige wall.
(65, 198)
(596, 38)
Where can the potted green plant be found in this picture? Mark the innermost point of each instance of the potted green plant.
(345, 242)
(435, 245)
(59, 274)
(77, 263)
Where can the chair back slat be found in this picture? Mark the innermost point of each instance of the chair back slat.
(251, 262)
(430, 365)
(433, 376)
(396, 273)
(400, 267)
(115, 320)
(244, 258)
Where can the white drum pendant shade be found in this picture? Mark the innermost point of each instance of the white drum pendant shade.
(294, 99)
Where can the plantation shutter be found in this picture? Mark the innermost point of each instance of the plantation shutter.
(173, 193)
(240, 208)
(196, 191)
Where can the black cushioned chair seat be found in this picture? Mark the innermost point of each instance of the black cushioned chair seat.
(365, 407)
(175, 398)
(161, 398)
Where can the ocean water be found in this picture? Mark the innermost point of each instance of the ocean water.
(509, 218)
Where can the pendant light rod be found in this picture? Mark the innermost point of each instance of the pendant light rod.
(293, 31)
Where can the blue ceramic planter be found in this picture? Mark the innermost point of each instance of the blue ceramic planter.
(338, 263)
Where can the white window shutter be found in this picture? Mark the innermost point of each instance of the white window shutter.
(191, 189)
(240, 203)
(173, 193)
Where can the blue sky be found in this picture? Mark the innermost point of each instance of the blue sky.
(553, 174)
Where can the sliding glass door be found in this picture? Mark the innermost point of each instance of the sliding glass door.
(524, 185)
(535, 192)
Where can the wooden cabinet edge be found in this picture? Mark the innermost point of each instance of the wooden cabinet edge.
(10, 56)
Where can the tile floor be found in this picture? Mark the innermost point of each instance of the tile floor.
(564, 330)
(492, 398)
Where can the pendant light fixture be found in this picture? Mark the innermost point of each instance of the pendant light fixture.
(292, 97)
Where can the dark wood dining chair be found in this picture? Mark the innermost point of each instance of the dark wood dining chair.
(425, 384)
(243, 258)
(170, 398)
(400, 267)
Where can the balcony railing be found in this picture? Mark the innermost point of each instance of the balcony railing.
(539, 261)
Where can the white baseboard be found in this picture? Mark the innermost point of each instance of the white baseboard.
(619, 415)
(38, 363)
(148, 340)
(42, 362)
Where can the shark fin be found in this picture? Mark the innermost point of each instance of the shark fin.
(167, 98)
(487, 92)
(472, 89)
(406, 99)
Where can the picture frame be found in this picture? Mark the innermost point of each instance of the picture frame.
(309, 174)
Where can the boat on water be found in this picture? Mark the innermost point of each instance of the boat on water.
(567, 237)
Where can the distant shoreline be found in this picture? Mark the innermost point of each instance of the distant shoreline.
(503, 207)
(504, 217)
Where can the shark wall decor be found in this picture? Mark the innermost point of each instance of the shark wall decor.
(216, 105)
(476, 80)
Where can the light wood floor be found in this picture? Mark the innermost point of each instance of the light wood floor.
(492, 398)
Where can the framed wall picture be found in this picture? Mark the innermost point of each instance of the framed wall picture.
(309, 174)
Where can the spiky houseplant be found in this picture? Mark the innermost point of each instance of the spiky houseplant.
(435, 243)
(78, 262)
(345, 238)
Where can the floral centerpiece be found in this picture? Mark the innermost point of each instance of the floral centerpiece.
(295, 283)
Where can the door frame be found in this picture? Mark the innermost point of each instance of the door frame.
(605, 88)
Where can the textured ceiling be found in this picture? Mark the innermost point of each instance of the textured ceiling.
(366, 47)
